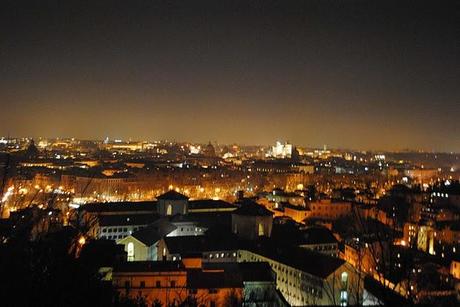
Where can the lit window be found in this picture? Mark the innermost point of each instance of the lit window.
(343, 298)
(130, 251)
(344, 279)
(169, 210)
(261, 230)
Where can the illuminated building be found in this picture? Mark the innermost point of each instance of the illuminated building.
(422, 174)
(164, 281)
(320, 240)
(297, 213)
(119, 145)
(281, 150)
(178, 282)
(329, 210)
(142, 245)
(280, 196)
(117, 220)
(331, 281)
(101, 187)
(300, 282)
(363, 255)
(425, 239)
(455, 268)
(116, 227)
(252, 221)
(172, 203)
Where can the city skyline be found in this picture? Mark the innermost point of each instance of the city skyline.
(363, 75)
(216, 142)
(239, 153)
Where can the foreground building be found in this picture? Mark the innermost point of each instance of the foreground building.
(172, 283)
(303, 277)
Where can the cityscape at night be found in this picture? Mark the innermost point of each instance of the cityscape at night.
(230, 153)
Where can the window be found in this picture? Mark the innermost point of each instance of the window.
(212, 291)
(127, 284)
(173, 283)
(158, 284)
(130, 251)
(344, 278)
(343, 298)
(142, 284)
(261, 230)
(169, 210)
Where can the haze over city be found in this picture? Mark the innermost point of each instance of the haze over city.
(362, 75)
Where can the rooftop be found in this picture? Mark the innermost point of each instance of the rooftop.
(307, 261)
(198, 279)
(317, 235)
(172, 195)
(154, 232)
(209, 204)
(251, 208)
(149, 266)
(198, 244)
(249, 271)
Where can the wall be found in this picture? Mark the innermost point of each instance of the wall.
(178, 206)
(141, 251)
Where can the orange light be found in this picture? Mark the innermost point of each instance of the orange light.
(82, 240)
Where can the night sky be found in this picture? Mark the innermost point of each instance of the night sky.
(351, 74)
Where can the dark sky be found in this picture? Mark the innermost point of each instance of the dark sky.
(353, 74)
